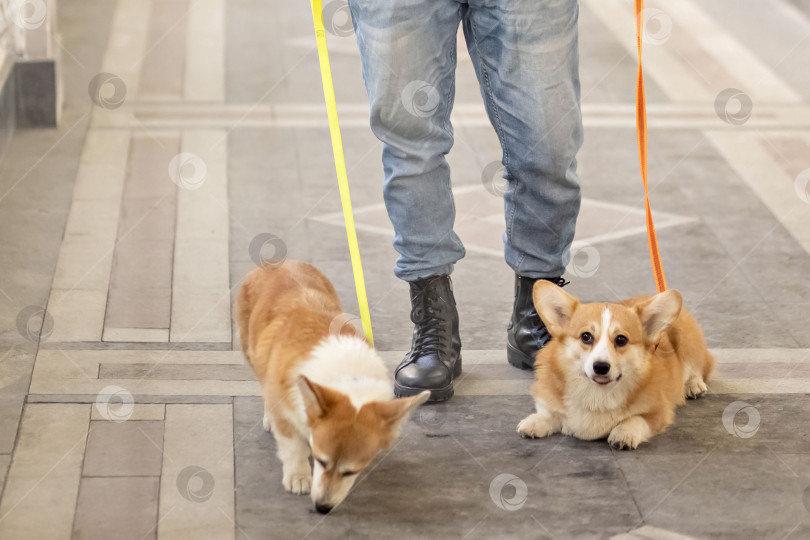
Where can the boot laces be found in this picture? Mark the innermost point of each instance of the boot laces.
(428, 323)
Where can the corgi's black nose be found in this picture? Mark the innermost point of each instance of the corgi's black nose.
(600, 367)
(323, 508)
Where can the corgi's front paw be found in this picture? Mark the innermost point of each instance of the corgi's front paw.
(267, 421)
(535, 426)
(629, 434)
(297, 483)
(695, 387)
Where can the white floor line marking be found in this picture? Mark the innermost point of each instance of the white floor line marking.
(195, 480)
(758, 80)
(79, 291)
(672, 76)
(44, 477)
(201, 278)
(205, 52)
(52, 375)
(128, 33)
(766, 178)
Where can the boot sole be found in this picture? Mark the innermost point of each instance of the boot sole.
(436, 394)
(518, 358)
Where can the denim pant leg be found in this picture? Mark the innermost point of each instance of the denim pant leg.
(408, 52)
(526, 58)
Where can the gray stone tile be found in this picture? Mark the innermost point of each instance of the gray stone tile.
(149, 165)
(119, 508)
(607, 73)
(174, 371)
(731, 323)
(140, 295)
(699, 427)
(131, 448)
(138, 398)
(133, 307)
(263, 509)
(783, 31)
(793, 317)
(749, 495)
(162, 72)
(112, 346)
(15, 376)
(452, 451)
(5, 459)
(43, 479)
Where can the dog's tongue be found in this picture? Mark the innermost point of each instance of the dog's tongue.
(601, 379)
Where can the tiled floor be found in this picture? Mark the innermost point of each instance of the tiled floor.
(127, 412)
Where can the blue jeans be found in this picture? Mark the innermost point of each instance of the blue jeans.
(526, 59)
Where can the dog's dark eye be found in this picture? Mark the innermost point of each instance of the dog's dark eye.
(321, 462)
(348, 473)
(587, 338)
(620, 340)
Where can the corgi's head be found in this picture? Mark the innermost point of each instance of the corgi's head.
(610, 344)
(345, 439)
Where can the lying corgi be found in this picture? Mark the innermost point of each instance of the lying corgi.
(614, 370)
(326, 390)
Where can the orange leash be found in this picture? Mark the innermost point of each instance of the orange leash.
(641, 129)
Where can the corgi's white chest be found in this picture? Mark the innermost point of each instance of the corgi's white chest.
(591, 411)
(589, 425)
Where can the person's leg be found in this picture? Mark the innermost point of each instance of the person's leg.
(526, 58)
(408, 51)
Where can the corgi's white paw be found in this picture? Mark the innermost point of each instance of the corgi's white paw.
(535, 426)
(695, 387)
(298, 483)
(629, 434)
(266, 421)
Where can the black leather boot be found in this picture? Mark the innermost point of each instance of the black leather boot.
(526, 333)
(435, 356)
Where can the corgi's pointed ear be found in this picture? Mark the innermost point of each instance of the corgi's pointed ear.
(659, 312)
(317, 399)
(397, 410)
(554, 305)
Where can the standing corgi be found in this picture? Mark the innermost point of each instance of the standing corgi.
(614, 370)
(326, 390)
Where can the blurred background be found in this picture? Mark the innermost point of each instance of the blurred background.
(155, 151)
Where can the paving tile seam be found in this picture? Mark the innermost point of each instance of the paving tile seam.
(138, 345)
(159, 125)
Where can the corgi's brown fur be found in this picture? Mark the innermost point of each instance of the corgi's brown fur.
(614, 370)
(326, 390)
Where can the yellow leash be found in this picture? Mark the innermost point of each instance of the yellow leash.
(340, 167)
